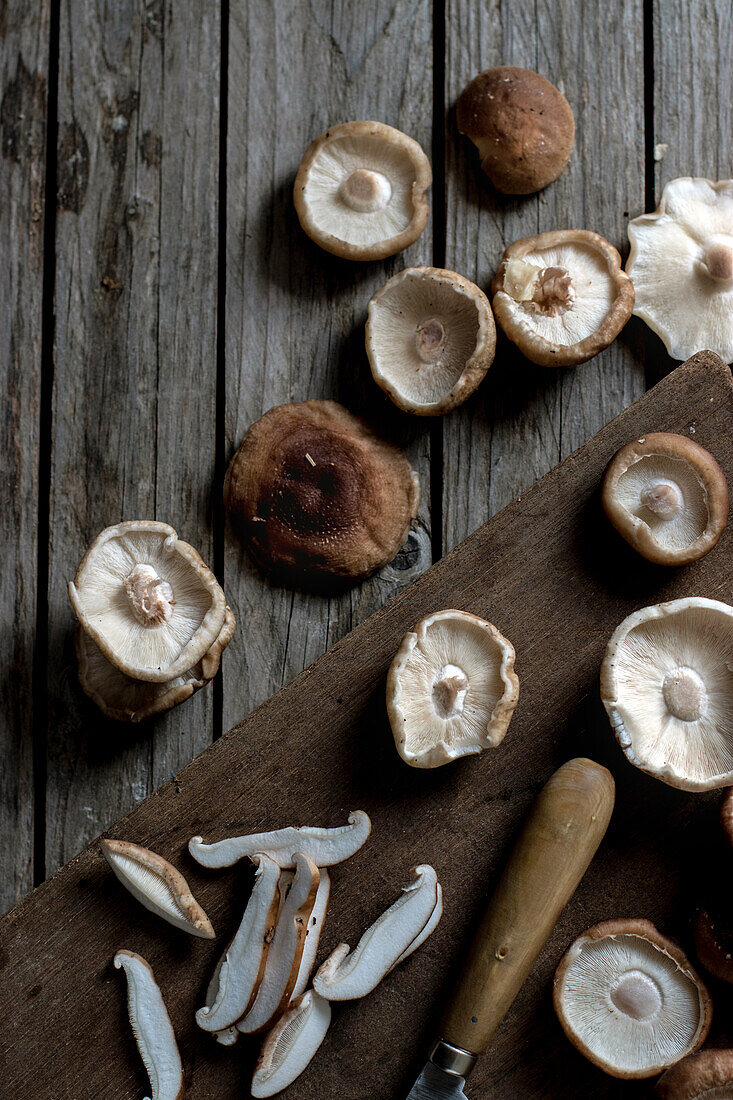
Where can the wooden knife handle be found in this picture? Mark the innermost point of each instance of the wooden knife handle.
(560, 838)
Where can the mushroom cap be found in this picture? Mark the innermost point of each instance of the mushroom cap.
(667, 496)
(522, 126)
(681, 261)
(126, 700)
(667, 686)
(707, 1075)
(629, 1000)
(430, 338)
(714, 940)
(451, 689)
(562, 296)
(360, 190)
(170, 644)
(317, 495)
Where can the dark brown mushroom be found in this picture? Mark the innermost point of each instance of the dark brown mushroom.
(707, 1074)
(522, 126)
(317, 497)
(714, 943)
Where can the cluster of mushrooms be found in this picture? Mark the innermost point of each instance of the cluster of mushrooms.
(261, 984)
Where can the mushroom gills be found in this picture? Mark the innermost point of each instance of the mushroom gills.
(282, 965)
(290, 1046)
(324, 847)
(667, 495)
(151, 1027)
(157, 885)
(347, 975)
(241, 970)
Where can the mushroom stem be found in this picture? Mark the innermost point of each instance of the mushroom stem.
(366, 191)
(449, 691)
(718, 262)
(637, 995)
(685, 694)
(430, 339)
(554, 292)
(151, 598)
(663, 498)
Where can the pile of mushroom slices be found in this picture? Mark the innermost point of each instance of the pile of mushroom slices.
(153, 621)
(261, 982)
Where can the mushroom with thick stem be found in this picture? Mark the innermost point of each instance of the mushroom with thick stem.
(292, 1043)
(152, 1027)
(360, 190)
(317, 497)
(681, 261)
(667, 496)
(707, 1075)
(430, 339)
(629, 1000)
(451, 689)
(522, 126)
(562, 296)
(667, 686)
(147, 601)
(324, 846)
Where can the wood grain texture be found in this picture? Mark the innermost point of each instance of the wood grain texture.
(524, 418)
(294, 314)
(24, 84)
(552, 570)
(134, 393)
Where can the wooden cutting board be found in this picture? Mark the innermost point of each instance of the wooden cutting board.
(556, 580)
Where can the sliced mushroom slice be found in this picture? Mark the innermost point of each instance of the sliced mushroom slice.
(242, 969)
(707, 1075)
(562, 297)
(451, 689)
(667, 686)
(347, 975)
(286, 950)
(430, 339)
(714, 942)
(157, 885)
(151, 1027)
(667, 496)
(289, 1047)
(681, 261)
(126, 700)
(360, 190)
(316, 921)
(147, 600)
(324, 846)
(426, 933)
(629, 1000)
(318, 499)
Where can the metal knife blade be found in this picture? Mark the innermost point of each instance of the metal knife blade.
(435, 1084)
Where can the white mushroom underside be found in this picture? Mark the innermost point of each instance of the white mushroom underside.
(291, 1045)
(394, 318)
(591, 1003)
(335, 163)
(152, 1028)
(675, 297)
(595, 293)
(680, 530)
(150, 889)
(103, 598)
(479, 657)
(697, 638)
(121, 692)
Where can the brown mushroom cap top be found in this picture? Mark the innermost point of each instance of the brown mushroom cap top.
(707, 1075)
(714, 940)
(522, 126)
(667, 496)
(317, 495)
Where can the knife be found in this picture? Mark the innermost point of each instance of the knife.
(559, 839)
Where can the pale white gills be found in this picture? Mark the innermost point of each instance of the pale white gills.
(291, 1044)
(157, 885)
(451, 689)
(432, 924)
(241, 971)
(667, 495)
(667, 686)
(152, 1028)
(628, 1003)
(681, 262)
(324, 846)
(147, 600)
(316, 922)
(286, 950)
(346, 975)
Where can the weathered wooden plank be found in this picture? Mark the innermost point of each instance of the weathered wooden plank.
(295, 315)
(134, 395)
(24, 59)
(560, 580)
(525, 418)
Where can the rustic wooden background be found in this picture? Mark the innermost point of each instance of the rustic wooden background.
(157, 295)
